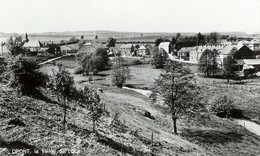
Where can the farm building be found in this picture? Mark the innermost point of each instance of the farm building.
(90, 47)
(69, 48)
(127, 49)
(141, 51)
(184, 53)
(197, 51)
(54, 49)
(242, 52)
(249, 63)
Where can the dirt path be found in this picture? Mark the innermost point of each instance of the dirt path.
(249, 125)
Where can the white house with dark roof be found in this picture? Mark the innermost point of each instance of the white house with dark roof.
(184, 52)
(127, 49)
(33, 45)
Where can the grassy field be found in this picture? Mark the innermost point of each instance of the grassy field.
(202, 135)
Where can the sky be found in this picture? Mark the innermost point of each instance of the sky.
(130, 15)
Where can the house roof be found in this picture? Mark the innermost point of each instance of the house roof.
(32, 44)
(252, 61)
(142, 47)
(126, 46)
(64, 47)
(228, 49)
(164, 44)
(186, 49)
(90, 47)
(200, 49)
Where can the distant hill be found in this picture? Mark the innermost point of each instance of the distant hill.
(120, 36)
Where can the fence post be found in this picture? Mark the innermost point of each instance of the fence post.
(213, 82)
(250, 89)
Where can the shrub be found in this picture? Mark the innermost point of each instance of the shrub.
(137, 62)
(222, 106)
(27, 77)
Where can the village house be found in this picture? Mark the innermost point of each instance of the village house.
(184, 53)
(127, 49)
(141, 51)
(197, 51)
(251, 63)
(54, 49)
(33, 45)
(90, 47)
(69, 48)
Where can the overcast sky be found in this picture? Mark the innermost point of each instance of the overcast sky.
(130, 15)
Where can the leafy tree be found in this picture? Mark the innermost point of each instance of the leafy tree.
(158, 41)
(212, 38)
(86, 63)
(120, 72)
(208, 62)
(90, 99)
(178, 35)
(111, 42)
(26, 75)
(100, 59)
(96, 37)
(201, 39)
(82, 37)
(154, 50)
(159, 58)
(222, 106)
(73, 39)
(63, 85)
(229, 67)
(81, 43)
(180, 96)
(97, 61)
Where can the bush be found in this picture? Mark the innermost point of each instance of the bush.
(223, 106)
(78, 70)
(137, 62)
(27, 77)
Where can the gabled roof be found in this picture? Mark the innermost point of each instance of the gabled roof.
(64, 48)
(32, 44)
(90, 47)
(94, 44)
(186, 49)
(228, 49)
(164, 44)
(142, 47)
